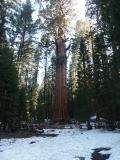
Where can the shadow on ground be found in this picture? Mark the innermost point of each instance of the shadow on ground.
(96, 155)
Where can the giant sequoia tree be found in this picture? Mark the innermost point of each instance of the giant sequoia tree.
(55, 24)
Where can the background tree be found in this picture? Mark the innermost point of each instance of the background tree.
(107, 22)
(81, 72)
(8, 88)
(27, 52)
(8, 75)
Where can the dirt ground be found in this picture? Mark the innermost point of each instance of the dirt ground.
(20, 134)
(24, 134)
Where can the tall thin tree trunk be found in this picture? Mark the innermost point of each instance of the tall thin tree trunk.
(60, 110)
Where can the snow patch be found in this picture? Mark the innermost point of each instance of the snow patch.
(69, 144)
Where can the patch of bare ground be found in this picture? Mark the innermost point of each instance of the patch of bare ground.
(25, 134)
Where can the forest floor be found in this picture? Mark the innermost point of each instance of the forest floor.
(62, 144)
(18, 134)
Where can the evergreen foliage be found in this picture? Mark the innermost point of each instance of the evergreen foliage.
(106, 43)
(8, 88)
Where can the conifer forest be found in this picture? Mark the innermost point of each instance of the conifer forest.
(88, 85)
(59, 68)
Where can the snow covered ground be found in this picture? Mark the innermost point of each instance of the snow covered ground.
(70, 144)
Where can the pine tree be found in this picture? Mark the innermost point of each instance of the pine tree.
(33, 96)
(107, 18)
(81, 71)
(26, 53)
(8, 74)
(23, 105)
(24, 41)
(47, 94)
(83, 97)
(8, 89)
(71, 93)
(40, 109)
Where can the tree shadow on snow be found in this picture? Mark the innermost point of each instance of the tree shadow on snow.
(96, 155)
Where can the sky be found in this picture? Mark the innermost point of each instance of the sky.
(79, 6)
(79, 9)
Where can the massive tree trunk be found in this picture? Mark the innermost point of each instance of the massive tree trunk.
(60, 108)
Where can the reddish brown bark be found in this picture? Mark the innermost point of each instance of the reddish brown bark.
(60, 108)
